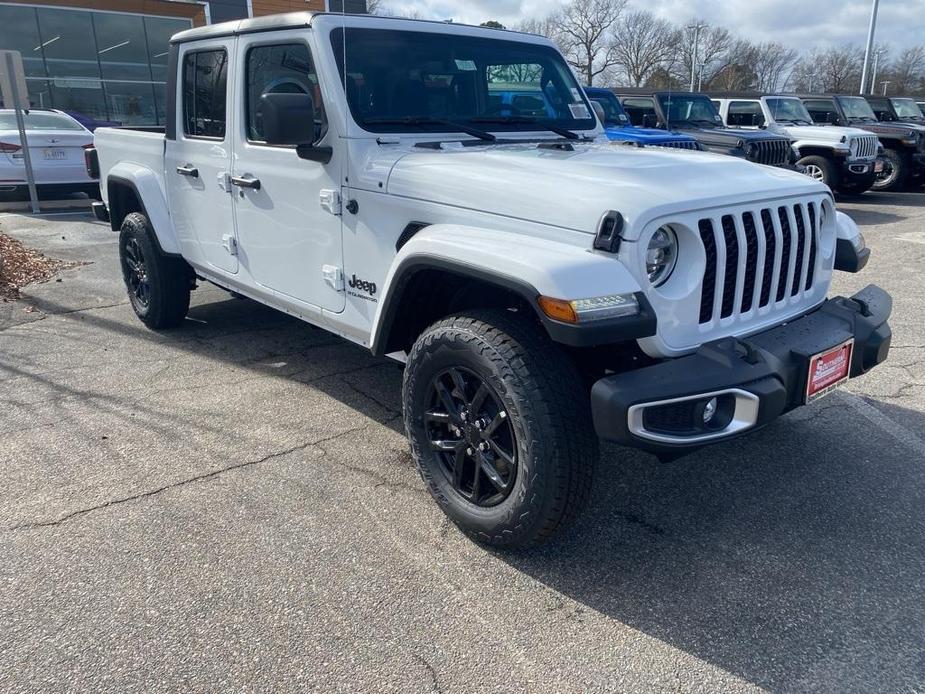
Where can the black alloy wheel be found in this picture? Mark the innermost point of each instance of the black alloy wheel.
(471, 433)
(137, 274)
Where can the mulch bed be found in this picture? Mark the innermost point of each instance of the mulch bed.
(20, 266)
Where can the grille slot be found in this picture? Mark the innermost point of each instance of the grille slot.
(678, 145)
(767, 254)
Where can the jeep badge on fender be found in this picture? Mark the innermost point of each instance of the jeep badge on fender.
(362, 285)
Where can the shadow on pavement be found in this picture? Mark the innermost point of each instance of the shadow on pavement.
(795, 560)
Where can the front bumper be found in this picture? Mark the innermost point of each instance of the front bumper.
(761, 376)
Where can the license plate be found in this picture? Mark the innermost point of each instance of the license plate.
(878, 166)
(55, 154)
(828, 370)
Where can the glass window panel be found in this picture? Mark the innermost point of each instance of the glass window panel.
(160, 102)
(131, 104)
(39, 94)
(19, 31)
(121, 46)
(205, 80)
(82, 97)
(67, 37)
(159, 31)
(285, 68)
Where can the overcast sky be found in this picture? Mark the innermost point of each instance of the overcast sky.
(797, 23)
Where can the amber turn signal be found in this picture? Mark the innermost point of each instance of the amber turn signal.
(558, 309)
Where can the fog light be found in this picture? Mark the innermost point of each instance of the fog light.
(709, 410)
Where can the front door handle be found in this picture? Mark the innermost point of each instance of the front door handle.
(188, 170)
(246, 181)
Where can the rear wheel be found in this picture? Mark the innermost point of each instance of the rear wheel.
(895, 172)
(500, 427)
(158, 286)
(822, 170)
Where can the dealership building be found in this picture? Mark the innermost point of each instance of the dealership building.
(105, 61)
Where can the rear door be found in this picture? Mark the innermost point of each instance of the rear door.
(290, 242)
(198, 160)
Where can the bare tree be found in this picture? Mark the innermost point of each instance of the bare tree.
(907, 73)
(836, 69)
(643, 43)
(715, 44)
(375, 6)
(584, 31)
(772, 63)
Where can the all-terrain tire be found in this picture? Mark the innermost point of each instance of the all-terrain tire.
(822, 169)
(896, 173)
(542, 394)
(158, 285)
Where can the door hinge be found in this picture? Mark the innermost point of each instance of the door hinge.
(331, 202)
(333, 277)
(230, 244)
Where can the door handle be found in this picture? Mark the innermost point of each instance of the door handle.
(246, 181)
(188, 170)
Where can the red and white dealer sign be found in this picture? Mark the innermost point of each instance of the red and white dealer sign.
(828, 370)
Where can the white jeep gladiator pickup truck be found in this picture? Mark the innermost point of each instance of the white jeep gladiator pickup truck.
(544, 288)
(845, 159)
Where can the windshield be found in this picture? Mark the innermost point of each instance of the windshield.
(688, 108)
(613, 111)
(401, 81)
(36, 120)
(789, 110)
(906, 108)
(856, 108)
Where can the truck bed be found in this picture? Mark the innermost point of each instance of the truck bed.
(128, 147)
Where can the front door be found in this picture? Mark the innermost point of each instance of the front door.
(289, 242)
(198, 158)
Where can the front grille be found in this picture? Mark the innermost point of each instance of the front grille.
(770, 152)
(679, 144)
(866, 147)
(756, 255)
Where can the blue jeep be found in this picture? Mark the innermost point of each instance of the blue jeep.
(618, 126)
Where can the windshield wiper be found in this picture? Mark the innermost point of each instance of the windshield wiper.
(504, 120)
(426, 120)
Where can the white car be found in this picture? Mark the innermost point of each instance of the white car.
(544, 288)
(57, 144)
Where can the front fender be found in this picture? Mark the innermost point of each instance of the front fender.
(529, 266)
(150, 195)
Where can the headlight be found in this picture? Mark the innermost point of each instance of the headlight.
(661, 255)
(912, 138)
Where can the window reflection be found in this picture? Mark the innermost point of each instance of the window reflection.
(102, 67)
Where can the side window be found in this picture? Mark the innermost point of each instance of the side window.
(637, 109)
(745, 114)
(205, 82)
(280, 69)
(819, 109)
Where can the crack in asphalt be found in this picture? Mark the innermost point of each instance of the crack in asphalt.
(182, 483)
(434, 682)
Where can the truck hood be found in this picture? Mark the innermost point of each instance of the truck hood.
(817, 133)
(644, 135)
(728, 137)
(891, 130)
(573, 189)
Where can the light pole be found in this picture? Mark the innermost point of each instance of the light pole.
(873, 79)
(887, 82)
(697, 28)
(870, 43)
(700, 68)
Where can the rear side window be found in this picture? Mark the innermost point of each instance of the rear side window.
(205, 84)
(745, 114)
(638, 108)
(280, 69)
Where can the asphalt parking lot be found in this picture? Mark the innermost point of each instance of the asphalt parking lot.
(232, 506)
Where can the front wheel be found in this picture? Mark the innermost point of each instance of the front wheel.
(822, 170)
(895, 172)
(500, 427)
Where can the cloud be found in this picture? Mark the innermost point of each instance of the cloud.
(801, 24)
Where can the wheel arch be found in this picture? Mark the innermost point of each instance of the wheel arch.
(137, 189)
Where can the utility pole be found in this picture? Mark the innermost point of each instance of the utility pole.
(885, 84)
(697, 28)
(873, 79)
(870, 43)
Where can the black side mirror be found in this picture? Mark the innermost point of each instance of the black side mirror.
(832, 118)
(289, 119)
(650, 120)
